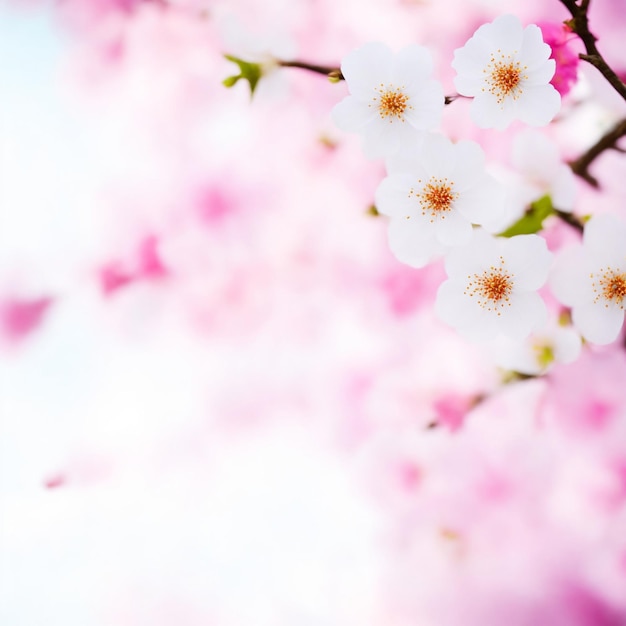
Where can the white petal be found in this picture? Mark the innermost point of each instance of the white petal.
(437, 156)
(563, 189)
(453, 229)
(469, 162)
(456, 309)
(410, 244)
(351, 115)
(605, 239)
(567, 345)
(538, 105)
(366, 67)
(427, 106)
(541, 74)
(412, 66)
(534, 51)
(506, 33)
(486, 112)
(482, 203)
(408, 159)
(382, 138)
(534, 154)
(481, 252)
(597, 323)
(526, 313)
(528, 257)
(569, 277)
(392, 196)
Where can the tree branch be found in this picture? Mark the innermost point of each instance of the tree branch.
(580, 25)
(608, 141)
(334, 73)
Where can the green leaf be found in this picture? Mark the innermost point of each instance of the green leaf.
(532, 221)
(251, 72)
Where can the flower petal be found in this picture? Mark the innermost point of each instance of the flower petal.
(410, 244)
(528, 257)
(366, 67)
(539, 104)
(527, 312)
(569, 277)
(351, 115)
(453, 229)
(392, 196)
(598, 323)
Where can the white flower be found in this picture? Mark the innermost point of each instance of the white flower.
(591, 278)
(439, 189)
(492, 286)
(538, 352)
(507, 69)
(537, 158)
(409, 244)
(391, 98)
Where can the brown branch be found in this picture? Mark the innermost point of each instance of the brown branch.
(334, 73)
(571, 219)
(580, 25)
(330, 72)
(608, 141)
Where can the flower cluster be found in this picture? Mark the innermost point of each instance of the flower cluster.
(442, 199)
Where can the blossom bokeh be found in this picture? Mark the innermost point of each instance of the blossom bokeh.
(223, 400)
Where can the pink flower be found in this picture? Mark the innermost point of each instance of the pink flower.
(559, 37)
(21, 316)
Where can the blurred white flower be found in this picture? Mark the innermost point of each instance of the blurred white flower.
(591, 278)
(392, 97)
(540, 351)
(537, 159)
(440, 189)
(492, 286)
(507, 70)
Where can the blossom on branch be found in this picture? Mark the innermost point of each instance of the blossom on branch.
(537, 158)
(392, 97)
(540, 351)
(591, 278)
(492, 286)
(440, 189)
(507, 70)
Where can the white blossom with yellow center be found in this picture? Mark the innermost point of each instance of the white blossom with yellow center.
(540, 351)
(591, 278)
(392, 97)
(507, 70)
(492, 286)
(437, 189)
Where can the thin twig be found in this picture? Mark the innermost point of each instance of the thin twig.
(580, 25)
(608, 141)
(331, 72)
(571, 219)
(335, 74)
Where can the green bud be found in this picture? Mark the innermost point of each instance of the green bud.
(532, 221)
(251, 72)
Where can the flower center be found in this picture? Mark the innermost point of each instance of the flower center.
(492, 289)
(544, 354)
(436, 197)
(609, 286)
(392, 102)
(504, 77)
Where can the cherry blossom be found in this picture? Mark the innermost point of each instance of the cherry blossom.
(507, 70)
(439, 189)
(392, 97)
(591, 278)
(537, 159)
(492, 286)
(540, 351)
(561, 39)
